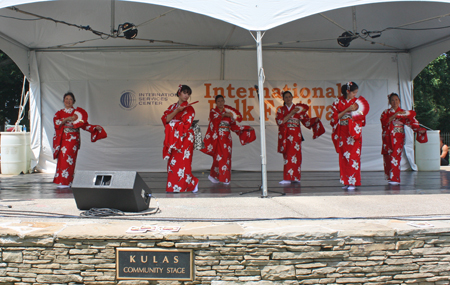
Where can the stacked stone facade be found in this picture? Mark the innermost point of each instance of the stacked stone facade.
(410, 257)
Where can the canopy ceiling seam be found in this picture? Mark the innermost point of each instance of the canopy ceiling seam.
(332, 21)
(159, 49)
(437, 41)
(229, 36)
(222, 64)
(378, 43)
(14, 42)
(398, 73)
(424, 20)
(113, 16)
(156, 18)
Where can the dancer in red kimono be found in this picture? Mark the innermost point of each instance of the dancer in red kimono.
(290, 136)
(349, 116)
(66, 141)
(218, 141)
(179, 143)
(393, 121)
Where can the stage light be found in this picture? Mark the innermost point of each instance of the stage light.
(345, 39)
(129, 30)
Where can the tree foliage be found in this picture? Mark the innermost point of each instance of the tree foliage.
(432, 94)
(11, 80)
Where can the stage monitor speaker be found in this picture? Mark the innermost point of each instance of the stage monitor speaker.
(121, 190)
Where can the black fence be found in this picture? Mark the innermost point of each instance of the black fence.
(445, 138)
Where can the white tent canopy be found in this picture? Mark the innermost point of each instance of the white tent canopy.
(70, 45)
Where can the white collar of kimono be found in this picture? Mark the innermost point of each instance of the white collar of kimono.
(289, 107)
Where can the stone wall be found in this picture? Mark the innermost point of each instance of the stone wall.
(390, 257)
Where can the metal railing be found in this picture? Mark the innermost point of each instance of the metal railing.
(445, 138)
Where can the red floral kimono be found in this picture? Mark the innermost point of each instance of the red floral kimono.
(219, 144)
(66, 142)
(393, 136)
(347, 139)
(178, 150)
(290, 138)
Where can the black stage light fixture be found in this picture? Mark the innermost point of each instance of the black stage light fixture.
(345, 39)
(129, 30)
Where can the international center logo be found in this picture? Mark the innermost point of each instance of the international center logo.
(128, 100)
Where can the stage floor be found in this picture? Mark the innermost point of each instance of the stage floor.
(372, 219)
(246, 184)
(318, 196)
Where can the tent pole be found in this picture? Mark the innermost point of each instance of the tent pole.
(113, 16)
(262, 117)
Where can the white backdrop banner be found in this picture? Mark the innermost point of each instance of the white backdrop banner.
(127, 94)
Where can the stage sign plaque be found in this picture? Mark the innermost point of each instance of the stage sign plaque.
(154, 264)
